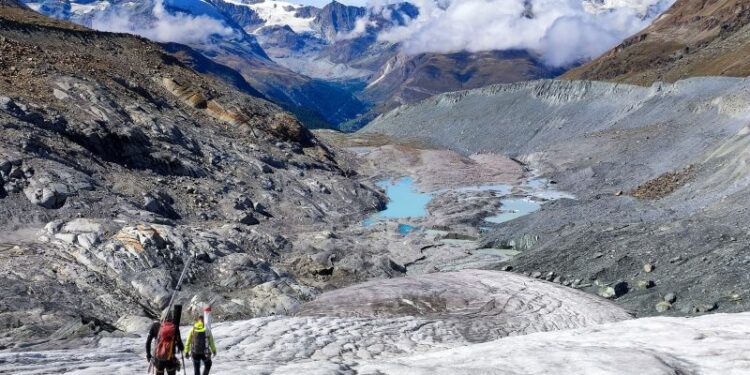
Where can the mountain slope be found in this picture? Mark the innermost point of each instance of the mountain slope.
(409, 79)
(378, 71)
(693, 38)
(118, 163)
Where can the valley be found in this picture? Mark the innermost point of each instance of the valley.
(476, 216)
(336, 66)
(450, 295)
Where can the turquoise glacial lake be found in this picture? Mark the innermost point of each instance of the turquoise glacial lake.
(406, 201)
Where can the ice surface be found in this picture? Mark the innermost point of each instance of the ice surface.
(712, 344)
(367, 323)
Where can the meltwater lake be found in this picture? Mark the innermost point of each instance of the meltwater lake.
(406, 201)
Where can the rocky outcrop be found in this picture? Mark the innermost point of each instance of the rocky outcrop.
(118, 164)
(336, 19)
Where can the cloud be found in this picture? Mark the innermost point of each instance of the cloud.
(360, 26)
(163, 25)
(562, 32)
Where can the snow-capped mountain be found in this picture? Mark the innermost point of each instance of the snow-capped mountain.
(338, 60)
(346, 43)
(206, 27)
(646, 9)
(268, 13)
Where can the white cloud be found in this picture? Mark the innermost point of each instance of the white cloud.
(360, 26)
(561, 31)
(163, 27)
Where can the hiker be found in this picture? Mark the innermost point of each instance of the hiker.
(168, 341)
(200, 345)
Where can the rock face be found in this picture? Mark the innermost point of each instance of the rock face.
(336, 18)
(407, 79)
(595, 139)
(117, 163)
(690, 39)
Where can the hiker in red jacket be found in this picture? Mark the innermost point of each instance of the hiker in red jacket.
(168, 342)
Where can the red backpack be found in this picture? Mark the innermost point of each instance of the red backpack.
(165, 342)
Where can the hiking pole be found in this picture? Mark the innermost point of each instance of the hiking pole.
(179, 282)
(184, 371)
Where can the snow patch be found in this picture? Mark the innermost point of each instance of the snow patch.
(278, 13)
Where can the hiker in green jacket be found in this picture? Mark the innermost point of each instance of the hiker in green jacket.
(200, 345)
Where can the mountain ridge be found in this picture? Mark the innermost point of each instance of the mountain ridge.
(329, 66)
(693, 38)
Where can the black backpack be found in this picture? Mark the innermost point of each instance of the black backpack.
(199, 343)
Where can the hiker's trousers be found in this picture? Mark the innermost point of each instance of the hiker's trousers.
(170, 367)
(197, 358)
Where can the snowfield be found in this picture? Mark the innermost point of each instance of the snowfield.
(712, 344)
(278, 13)
(467, 322)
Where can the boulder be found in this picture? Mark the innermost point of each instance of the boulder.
(247, 218)
(279, 297)
(616, 290)
(46, 194)
(663, 306)
(318, 264)
(704, 308)
(239, 209)
(153, 286)
(51, 187)
(5, 168)
(134, 324)
(160, 203)
(670, 297)
(240, 271)
(646, 284)
(260, 208)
